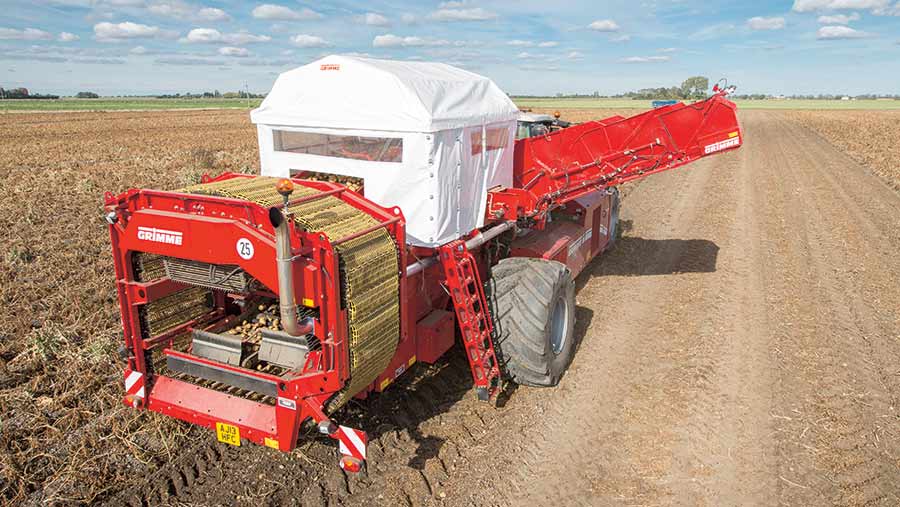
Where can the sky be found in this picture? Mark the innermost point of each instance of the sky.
(124, 47)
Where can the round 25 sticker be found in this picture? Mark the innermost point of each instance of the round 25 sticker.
(244, 248)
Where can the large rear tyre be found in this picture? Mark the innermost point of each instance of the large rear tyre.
(534, 312)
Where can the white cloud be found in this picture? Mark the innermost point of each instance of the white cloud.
(181, 10)
(267, 63)
(667, 50)
(620, 38)
(839, 32)
(203, 35)
(713, 31)
(187, 60)
(531, 44)
(111, 32)
(888, 11)
(543, 67)
(392, 41)
(408, 18)
(211, 35)
(646, 59)
(375, 19)
(35, 58)
(761, 23)
(525, 54)
(138, 50)
(26, 34)
(838, 19)
(233, 51)
(212, 14)
(574, 55)
(457, 14)
(122, 3)
(280, 12)
(822, 5)
(604, 25)
(175, 9)
(241, 38)
(451, 5)
(99, 61)
(67, 37)
(309, 41)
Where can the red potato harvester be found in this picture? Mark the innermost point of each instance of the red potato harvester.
(255, 305)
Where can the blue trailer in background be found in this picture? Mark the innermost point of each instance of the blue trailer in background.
(662, 103)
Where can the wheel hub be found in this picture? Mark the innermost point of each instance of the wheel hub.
(559, 325)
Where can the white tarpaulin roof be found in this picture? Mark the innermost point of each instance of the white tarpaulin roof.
(385, 95)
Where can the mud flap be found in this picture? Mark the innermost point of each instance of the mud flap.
(223, 348)
(278, 347)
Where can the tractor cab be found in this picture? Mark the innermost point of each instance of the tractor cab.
(533, 124)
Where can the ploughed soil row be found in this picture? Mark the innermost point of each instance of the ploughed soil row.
(740, 345)
(872, 138)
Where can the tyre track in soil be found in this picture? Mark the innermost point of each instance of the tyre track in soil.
(642, 419)
(774, 379)
(842, 238)
(738, 345)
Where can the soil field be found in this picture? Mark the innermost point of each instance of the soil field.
(871, 137)
(740, 345)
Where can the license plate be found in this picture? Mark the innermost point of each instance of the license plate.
(227, 433)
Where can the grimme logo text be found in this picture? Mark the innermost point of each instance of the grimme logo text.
(159, 235)
(722, 145)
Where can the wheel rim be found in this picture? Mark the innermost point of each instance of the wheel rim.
(559, 325)
(614, 218)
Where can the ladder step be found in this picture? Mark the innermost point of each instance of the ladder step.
(464, 283)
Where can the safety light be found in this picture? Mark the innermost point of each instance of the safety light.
(351, 465)
(284, 187)
(133, 401)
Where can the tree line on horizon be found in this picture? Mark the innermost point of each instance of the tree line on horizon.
(213, 95)
(697, 87)
(23, 93)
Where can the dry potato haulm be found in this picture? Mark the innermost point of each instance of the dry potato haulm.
(683, 262)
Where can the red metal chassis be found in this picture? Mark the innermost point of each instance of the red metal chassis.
(210, 228)
(561, 189)
(552, 170)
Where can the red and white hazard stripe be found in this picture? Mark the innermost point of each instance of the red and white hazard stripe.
(352, 442)
(134, 384)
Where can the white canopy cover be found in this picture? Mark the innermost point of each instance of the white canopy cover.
(365, 93)
(426, 137)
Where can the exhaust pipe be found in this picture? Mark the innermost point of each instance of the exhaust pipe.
(286, 304)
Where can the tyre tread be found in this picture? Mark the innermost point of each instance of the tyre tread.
(524, 290)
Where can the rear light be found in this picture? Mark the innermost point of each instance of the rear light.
(351, 465)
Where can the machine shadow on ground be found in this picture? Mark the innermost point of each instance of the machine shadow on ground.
(395, 417)
(635, 256)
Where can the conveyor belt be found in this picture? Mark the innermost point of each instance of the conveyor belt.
(368, 264)
(173, 310)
